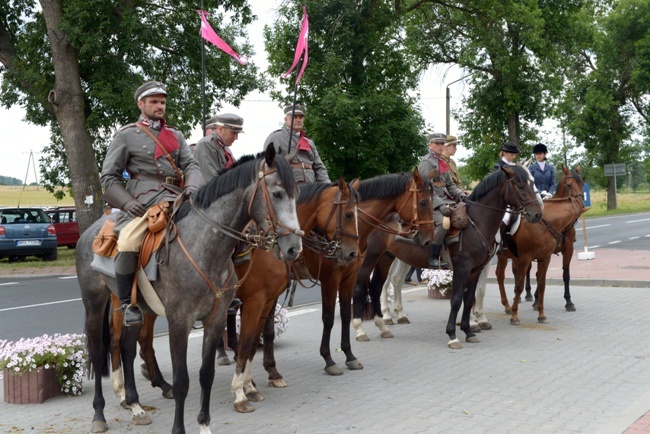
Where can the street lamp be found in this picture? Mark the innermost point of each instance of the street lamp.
(449, 96)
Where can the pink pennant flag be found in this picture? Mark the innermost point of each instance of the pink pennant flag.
(211, 36)
(302, 48)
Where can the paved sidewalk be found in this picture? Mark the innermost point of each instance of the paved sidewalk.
(584, 372)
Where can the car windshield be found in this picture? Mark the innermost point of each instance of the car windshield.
(23, 215)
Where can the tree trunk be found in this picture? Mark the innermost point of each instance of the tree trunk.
(67, 99)
(611, 193)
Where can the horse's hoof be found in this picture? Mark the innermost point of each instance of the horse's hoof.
(485, 325)
(168, 393)
(223, 361)
(472, 340)
(141, 419)
(535, 307)
(363, 338)
(354, 365)
(145, 371)
(123, 405)
(99, 426)
(455, 344)
(529, 298)
(244, 407)
(570, 307)
(277, 382)
(514, 321)
(403, 320)
(542, 320)
(386, 334)
(333, 370)
(389, 321)
(508, 311)
(254, 396)
(475, 328)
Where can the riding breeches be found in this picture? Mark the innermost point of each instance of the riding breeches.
(439, 231)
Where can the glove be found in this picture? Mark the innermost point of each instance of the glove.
(546, 195)
(462, 197)
(190, 190)
(134, 208)
(192, 183)
(445, 210)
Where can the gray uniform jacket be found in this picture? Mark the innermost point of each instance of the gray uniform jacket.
(132, 149)
(444, 189)
(210, 154)
(307, 165)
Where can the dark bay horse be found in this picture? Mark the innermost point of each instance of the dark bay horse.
(539, 241)
(407, 194)
(486, 206)
(260, 189)
(328, 208)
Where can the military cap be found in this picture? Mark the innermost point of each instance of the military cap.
(437, 138)
(510, 147)
(300, 109)
(540, 148)
(451, 140)
(149, 88)
(229, 120)
(211, 122)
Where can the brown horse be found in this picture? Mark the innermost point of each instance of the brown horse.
(331, 208)
(540, 241)
(512, 186)
(407, 194)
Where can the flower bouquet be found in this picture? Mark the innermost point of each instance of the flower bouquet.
(281, 321)
(439, 280)
(66, 354)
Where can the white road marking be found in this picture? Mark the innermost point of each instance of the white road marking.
(301, 312)
(593, 227)
(636, 221)
(40, 304)
(593, 247)
(67, 277)
(9, 283)
(634, 238)
(614, 242)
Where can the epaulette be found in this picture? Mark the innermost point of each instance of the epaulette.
(127, 126)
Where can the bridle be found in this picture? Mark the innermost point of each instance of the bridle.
(520, 207)
(319, 243)
(414, 224)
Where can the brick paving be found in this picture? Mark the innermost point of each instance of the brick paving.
(584, 372)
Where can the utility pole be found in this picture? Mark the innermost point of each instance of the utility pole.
(448, 96)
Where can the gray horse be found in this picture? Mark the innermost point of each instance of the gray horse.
(260, 189)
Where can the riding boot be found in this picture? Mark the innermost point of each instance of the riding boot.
(125, 268)
(234, 305)
(434, 261)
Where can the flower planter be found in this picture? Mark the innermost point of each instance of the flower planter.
(30, 387)
(434, 292)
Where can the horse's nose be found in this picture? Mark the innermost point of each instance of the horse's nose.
(352, 255)
(426, 243)
(292, 253)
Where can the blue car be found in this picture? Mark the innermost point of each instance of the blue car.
(27, 232)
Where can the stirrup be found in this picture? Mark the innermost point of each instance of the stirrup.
(135, 313)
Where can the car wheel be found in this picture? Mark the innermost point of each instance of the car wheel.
(51, 256)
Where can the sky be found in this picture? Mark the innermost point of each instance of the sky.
(20, 140)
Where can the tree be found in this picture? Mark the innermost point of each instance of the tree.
(356, 85)
(516, 53)
(74, 65)
(608, 103)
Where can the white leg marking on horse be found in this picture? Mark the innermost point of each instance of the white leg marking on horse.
(118, 384)
(356, 323)
(136, 410)
(248, 378)
(237, 386)
(204, 429)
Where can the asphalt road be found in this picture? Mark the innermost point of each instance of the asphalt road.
(33, 306)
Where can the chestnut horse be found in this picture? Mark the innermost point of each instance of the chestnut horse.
(539, 242)
(331, 208)
(512, 186)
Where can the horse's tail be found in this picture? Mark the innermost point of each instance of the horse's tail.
(106, 342)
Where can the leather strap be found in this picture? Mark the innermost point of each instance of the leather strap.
(165, 151)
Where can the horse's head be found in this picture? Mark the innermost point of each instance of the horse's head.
(521, 193)
(571, 184)
(338, 218)
(273, 206)
(415, 208)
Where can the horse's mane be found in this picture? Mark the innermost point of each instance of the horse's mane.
(313, 191)
(384, 186)
(241, 175)
(495, 178)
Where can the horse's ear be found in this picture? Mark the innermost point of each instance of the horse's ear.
(509, 171)
(269, 155)
(526, 163)
(356, 183)
(579, 169)
(343, 186)
(416, 176)
(566, 170)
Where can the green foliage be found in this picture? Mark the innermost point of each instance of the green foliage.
(356, 85)
(8, 180)
(120, 45)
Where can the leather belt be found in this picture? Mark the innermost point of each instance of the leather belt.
(301, 165)
(440, 184)
(157, 178)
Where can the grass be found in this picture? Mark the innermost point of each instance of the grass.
(627, 203)
(30, 195)
(66, 258)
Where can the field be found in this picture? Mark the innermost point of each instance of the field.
(30, 196)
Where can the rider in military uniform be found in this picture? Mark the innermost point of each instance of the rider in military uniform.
(213, 151)
(451, 143)
(153, 179)
(445, 193)
(304, 159)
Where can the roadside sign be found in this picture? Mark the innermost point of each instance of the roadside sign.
(586, 192)
(614, 169)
